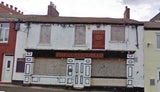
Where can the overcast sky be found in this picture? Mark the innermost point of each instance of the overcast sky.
(142, 10)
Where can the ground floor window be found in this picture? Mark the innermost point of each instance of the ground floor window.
(108, 68)
(50, 66)
(20, 64)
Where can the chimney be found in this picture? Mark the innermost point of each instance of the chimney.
(52, 12)
(127, 13)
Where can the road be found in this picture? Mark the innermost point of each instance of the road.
(15, 88)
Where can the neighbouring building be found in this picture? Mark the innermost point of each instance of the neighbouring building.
(151, 55)
(78, 51)
(8, 33)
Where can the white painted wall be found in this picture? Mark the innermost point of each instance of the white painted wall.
(139, 64)
(21, 42)
(62, 38)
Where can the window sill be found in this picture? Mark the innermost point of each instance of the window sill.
(157, 49)
(117, 41)
(40, 44)
(83, 45)
(3, 44)
(19, 71)
(3, 41)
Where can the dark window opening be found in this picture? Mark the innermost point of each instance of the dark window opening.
(8, 64)
(20, 64)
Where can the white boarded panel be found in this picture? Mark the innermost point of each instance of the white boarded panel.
(26, 79)
(87, 71)
(130, 71)
(130, 61)
(27, 70)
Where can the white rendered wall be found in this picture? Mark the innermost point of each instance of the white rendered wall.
(62, 38)
(21, 42)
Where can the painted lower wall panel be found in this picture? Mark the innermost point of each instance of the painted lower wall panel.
(108, 82)
(48, 80)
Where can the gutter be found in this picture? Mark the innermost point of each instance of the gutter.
(9, 19)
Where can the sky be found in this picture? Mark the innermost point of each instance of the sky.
(142, 10)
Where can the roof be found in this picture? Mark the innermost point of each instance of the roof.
(157, 17)
(152, 25)
(47, 19)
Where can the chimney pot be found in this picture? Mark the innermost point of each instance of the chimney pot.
(7, 5)
(15, 8)
(51, 4)
(11, 6)
(19, 11)
(2, 2)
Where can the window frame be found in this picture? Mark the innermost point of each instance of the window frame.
(157, 34)
(4, 32)
(20, 60)
(124, 34)
(40, 43)
(95, 33)
(75, 43)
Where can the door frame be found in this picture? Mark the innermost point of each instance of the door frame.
(4, 67)
(70, 72)
(158, 79)
(78, 72)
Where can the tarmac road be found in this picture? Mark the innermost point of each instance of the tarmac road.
(15, 88)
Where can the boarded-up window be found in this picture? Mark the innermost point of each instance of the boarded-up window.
(50, 66)
(117, 33)
(98, 39)
(108, 68)
(20, 64)
(80, 35)
(45, 34)
(158, 41)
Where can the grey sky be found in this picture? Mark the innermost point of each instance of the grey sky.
(140, 9)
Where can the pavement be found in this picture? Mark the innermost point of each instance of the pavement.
(20, 88)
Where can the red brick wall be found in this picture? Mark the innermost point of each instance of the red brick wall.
(8, 47)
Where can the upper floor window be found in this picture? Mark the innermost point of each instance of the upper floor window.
(4, 32)
(80, 35)
(117, 33)
(158, 41)
(98, 39)
(45, 34)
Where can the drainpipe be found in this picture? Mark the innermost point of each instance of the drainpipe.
(28, 26)
(137, 45)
